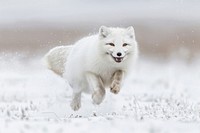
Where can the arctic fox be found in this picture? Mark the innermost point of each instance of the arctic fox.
(95, 62)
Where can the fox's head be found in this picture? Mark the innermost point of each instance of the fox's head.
(118, 43)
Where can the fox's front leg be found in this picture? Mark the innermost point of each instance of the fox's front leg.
(96, 84)
(116, 81)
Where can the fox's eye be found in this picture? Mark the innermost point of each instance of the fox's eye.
(125, 44)
(111, 44)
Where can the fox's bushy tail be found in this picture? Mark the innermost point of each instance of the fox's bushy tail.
(56, 58)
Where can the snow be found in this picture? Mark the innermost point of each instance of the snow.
(158, 97)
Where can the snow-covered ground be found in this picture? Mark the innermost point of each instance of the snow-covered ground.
(158, 97)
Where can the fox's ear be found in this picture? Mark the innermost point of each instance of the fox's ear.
(104, 31)
(130, 31)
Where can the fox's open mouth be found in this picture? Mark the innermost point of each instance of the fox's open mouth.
(118, 59)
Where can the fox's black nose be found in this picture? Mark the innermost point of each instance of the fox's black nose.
(119, 54)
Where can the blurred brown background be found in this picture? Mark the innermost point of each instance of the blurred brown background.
(165, 29)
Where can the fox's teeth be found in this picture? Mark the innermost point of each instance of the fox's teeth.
(118, 59)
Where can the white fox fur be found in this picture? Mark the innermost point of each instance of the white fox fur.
(95, 62)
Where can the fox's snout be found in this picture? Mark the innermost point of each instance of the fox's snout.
(119, 54)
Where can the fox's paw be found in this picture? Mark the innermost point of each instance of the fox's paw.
(98, 97)
(115, 88)
(75, 105)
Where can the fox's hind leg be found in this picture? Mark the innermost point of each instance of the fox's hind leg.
(76, 101)
(98, 89)
(116, 81)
